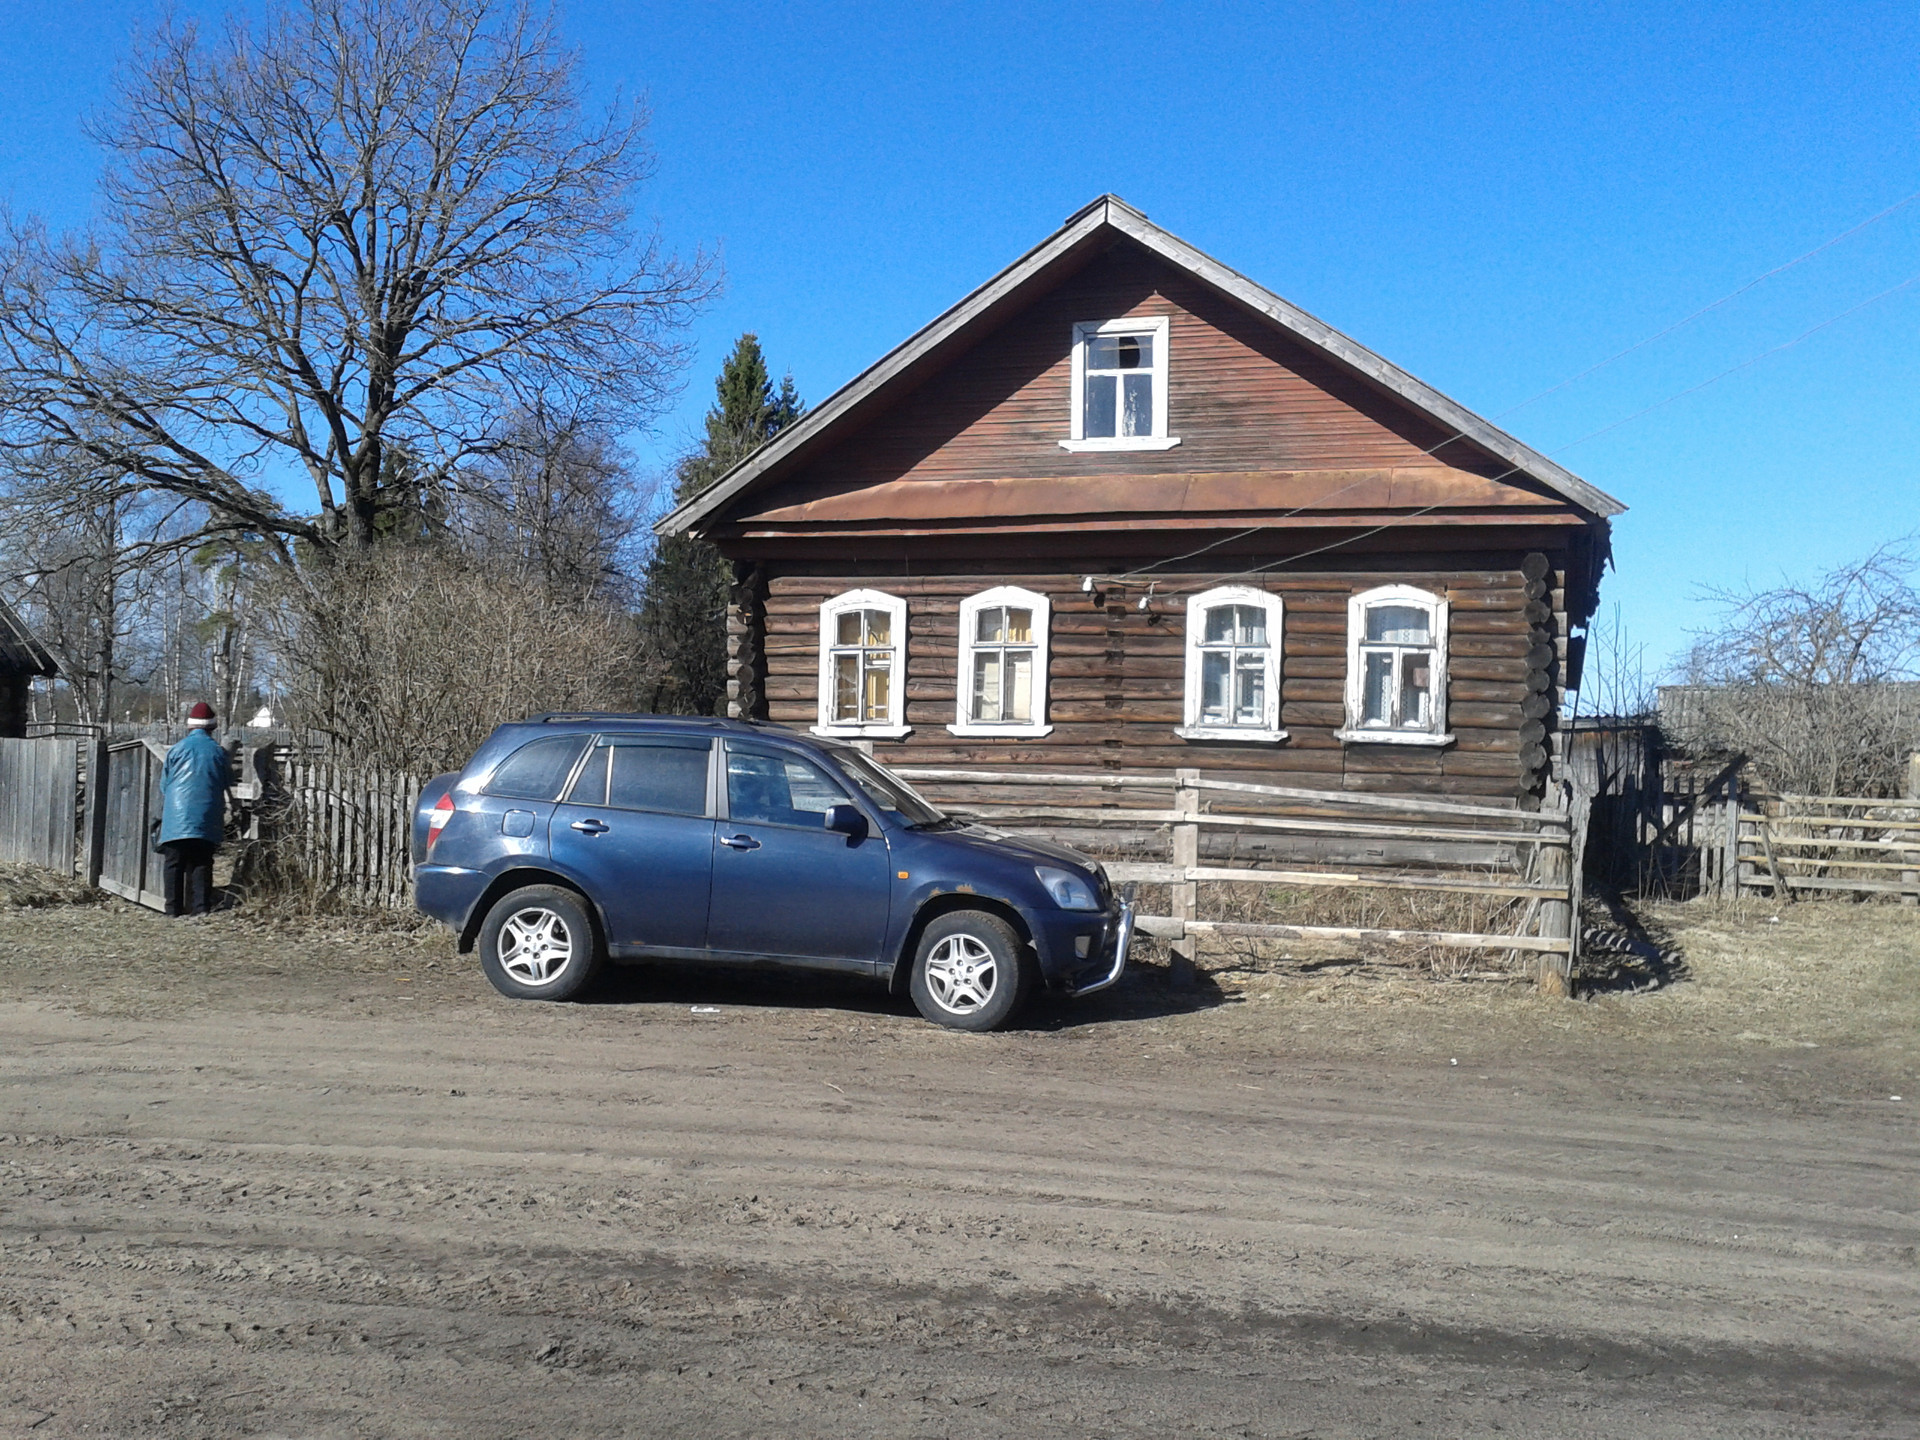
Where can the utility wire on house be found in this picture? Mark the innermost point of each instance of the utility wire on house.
(1661, 334)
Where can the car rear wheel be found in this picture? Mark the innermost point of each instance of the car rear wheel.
(539, 944)
(971, 971)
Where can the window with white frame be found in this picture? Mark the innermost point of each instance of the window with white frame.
(1001, 684)
(1120, 385)
(863, 653)
(1233, 665)
(1397, 667)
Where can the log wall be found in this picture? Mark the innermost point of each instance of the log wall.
(1115, 688)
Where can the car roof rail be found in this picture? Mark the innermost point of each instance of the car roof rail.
(562, 717)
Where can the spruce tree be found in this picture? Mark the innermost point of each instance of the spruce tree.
(684, 616)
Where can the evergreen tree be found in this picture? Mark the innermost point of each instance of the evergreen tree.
(684, 617)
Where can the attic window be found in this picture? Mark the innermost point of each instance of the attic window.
(1119, 399)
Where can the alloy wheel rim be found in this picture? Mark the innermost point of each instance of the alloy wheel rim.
(962, 974)
(535, 946)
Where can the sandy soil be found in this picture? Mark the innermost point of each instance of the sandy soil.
(299, 1182)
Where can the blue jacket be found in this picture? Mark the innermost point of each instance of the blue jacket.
(193, 789)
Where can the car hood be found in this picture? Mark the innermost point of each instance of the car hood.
(1014, 847)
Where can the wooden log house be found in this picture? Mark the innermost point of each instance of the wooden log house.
(1121, 509)
(22, 659)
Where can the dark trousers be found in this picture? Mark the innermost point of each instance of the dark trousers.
(188, 876)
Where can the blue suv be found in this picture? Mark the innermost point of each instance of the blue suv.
(570, 839)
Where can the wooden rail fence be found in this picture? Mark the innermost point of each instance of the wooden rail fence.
(1833, 844)
(1405, 843)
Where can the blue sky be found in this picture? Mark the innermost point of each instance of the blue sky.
(1494, 197)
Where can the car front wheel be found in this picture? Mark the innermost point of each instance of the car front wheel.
(539, 944)
(971, 971)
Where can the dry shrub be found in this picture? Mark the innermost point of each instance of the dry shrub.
(34, 887)
(409, 657)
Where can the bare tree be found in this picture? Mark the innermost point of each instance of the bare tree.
(558, 495)
(357, 664)
(359, 227)
(1815, 684)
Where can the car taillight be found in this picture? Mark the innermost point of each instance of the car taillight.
(437, 819)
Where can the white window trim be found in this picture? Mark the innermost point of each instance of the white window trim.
(963, 679)
(1436, 607)
(1269, 731)
(1159, 327)
(830, 611)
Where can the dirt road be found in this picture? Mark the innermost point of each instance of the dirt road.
(306, 1186)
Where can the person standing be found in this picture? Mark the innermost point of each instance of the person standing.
(193, 790)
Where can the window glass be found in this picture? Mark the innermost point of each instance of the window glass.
(536, 771)
(1136, 415)
(1101, 407)
(1377, 691)
(590, 786)
(670, 775)
(1396, 625)
(862, 667)
(779, 789)
(886, 789)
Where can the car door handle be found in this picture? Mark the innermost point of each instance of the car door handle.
(739, 842)
(591, 827)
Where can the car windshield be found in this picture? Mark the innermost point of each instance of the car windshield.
(886, 789)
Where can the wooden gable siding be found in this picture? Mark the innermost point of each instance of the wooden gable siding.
(1115, 689)
(1242, 396)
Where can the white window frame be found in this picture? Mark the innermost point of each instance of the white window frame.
(1436, 607)
(1268, 731)
(1159, 327)
(830, 611)
(970, 608)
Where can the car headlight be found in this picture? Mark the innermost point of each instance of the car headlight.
(1068, 890)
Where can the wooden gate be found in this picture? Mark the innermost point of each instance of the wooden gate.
(130, 794)
(39, 799)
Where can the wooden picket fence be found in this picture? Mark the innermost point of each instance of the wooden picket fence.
(1831, 844)
(337, 832)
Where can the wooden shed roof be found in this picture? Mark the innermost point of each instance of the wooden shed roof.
(1086, 230)
(20, 649)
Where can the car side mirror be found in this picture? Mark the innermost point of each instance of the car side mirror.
(847, 820)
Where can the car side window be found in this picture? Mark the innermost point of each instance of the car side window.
(590, 785)
(668, 775)
(536, 771)
(770, 789)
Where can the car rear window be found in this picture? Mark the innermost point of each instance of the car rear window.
(538, 769)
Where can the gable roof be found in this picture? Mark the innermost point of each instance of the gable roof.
(20, 649)
(1012, 287)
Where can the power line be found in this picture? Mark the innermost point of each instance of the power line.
(1514, 470)
(1573, 379)
(1824, 245)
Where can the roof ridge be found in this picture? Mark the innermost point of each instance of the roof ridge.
(1110, 212)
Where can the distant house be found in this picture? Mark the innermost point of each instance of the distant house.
(22, 657)
(1122, 508)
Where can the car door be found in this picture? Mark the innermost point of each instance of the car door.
(784, 886)
(636, 830)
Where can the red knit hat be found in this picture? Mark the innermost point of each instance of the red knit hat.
(201, 715)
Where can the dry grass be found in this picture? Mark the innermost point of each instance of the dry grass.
(33, 887)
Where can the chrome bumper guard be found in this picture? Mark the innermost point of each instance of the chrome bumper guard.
(1122, 939)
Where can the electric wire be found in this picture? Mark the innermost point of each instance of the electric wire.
(1591, 435)
(1573, 379)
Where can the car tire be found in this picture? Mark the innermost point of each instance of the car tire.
(540, 943)
(971, 971)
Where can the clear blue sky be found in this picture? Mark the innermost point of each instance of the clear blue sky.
(1495, 197)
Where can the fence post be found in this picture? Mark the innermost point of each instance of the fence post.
(1555, 976)
(93, 839)
(1185, 893)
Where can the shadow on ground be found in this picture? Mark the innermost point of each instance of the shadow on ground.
(1144, 993)
(1623, 951)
